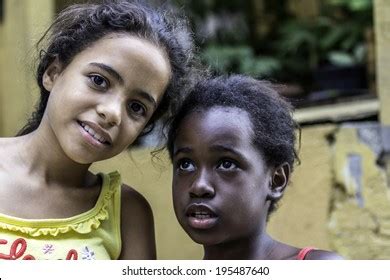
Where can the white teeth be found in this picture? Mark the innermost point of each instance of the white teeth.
(93, 133)
(201, 215)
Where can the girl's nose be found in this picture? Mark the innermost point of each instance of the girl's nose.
(202, 186)
(110, 112)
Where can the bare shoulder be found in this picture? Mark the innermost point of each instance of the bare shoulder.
(6, 145)
(323, 255)
(132, 201)
(9, 152)
(10, 149)
(137, 226)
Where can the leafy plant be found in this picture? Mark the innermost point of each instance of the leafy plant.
(352, 5)
(336, 37)
(240, 59)
(345, 40)
(292, 50)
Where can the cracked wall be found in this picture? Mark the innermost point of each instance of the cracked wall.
(359, 223)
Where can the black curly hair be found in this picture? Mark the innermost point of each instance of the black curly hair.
(274, 129)
(79, 26)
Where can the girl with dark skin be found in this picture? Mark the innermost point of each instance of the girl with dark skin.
(232, 145)
(107, 73)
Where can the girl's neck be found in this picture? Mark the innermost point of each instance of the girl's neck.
(41, 157)
(259, 246)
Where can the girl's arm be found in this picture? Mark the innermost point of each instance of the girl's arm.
(137, 226)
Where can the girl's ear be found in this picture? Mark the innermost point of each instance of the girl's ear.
(280, 178)
(51, 74)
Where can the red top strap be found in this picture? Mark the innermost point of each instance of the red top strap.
(303, 253)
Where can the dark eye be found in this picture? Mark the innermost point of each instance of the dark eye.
(186, 165)
(137, 108)
(98, 81)
(227, 165)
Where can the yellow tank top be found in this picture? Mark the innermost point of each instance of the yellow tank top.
(94, 234)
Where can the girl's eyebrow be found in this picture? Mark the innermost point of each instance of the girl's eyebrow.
(185, 150)
(225, 148)
(109, 70)
(119, 78)
(217, 148)
(149, 98)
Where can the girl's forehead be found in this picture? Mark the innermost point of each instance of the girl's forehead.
(230, 115)
(126, 38)
(219, 122)
(124, 52)
(218, 129)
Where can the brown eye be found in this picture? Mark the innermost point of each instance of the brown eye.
(227, 165)
(98, 81)
(186, 165)
(137, 108)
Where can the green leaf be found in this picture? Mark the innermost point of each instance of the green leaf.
(333, 37)
(341, 58)
(260, 66)
(360, 53)
(360, 5)
(223, 58)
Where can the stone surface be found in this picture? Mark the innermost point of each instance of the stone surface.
(360, 217)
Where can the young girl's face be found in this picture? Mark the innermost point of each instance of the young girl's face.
(103, 99)
(220, 180)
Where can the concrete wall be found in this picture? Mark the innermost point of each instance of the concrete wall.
(23, 23)
(382, 30)
(302, 217)
(360, 215)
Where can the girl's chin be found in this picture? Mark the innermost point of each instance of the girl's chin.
(205, 239)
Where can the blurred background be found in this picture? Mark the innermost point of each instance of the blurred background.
(330, 58)
(321, 51)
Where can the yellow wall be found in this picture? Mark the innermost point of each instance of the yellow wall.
(382, 29)
(360, 217)
(2, 58)
(302, 218)
(24, 21)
